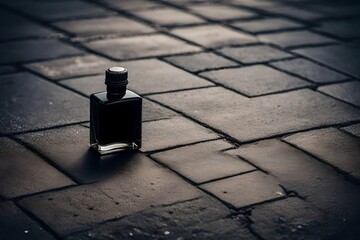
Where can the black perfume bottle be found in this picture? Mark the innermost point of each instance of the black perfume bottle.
(115, 115)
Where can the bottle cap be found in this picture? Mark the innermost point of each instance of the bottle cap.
(116, 79)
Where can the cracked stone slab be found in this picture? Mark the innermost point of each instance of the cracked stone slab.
(333, 146)
(140, 46)
(202, 218)
(341, 57)
(71, 66)
(50, 105)
(139, 185)
(239, 193)
(213, 36)
(202, 162)
(310, 178)
(255, 80)
(99, 26)
(20, 175)
(250, 119)
(15, 224)
(34, 50)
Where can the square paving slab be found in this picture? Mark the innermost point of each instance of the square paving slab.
(249, 119)
(47, 105)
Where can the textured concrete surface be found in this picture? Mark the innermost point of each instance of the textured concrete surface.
(251, 119)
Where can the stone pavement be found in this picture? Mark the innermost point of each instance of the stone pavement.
(251, 119)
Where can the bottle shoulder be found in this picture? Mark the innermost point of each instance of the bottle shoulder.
(102, 97)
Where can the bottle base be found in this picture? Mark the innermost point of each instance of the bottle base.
(114, 147)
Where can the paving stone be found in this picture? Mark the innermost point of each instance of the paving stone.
(249, 119)
(7, 69)
(172, 132)
(32, 50)
(140, 46)
(71, 66)
(353, 129)
(168, 17)
(254, 3)
(342, 29)
(290, 218)
(14, 224)
(348, 92)
(294, 12)
(139, 185)
(263, 187)
(213, 36)
(150, 76)
(315, 181)
(220, 12)
(295, 38)
(333, 146)
(254, 54)
(309, 70)
(58, 10)
(202, 162)
(267, 25)
(201, 219)
(200, 61)
(341, 57)
(47, 105)
(16, 27)
(132, 5)
(255, 80)
(98, 26)
(20, 173)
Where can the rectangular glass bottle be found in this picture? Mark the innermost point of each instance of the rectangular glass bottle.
(115, 122)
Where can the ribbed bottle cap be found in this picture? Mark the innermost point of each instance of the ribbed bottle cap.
(116, 77)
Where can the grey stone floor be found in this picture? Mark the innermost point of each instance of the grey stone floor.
(251, 119)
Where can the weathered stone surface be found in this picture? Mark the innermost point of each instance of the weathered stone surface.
(139, 185)
(295, 12)
(140, 46)
(255, 80)
(290, 218)
(212, 36)
(58, 10)
(16, 27)
(173, 132)
(50, 105)
(14, 224)
(133, 5)
(254, 54)
(315, 181)
(20, 175)
(353, 129)
(201, 219)
(220, 12)
(202, 162)
(32, 50)
(153, 76)
(71, 66)
(344, 58)
(239, 193)
(250, 119)
(168, 17)
(309, 70)
(333, 146)
(341, 29)
(348, 92)
(98, 26)
(201, 61)
(267, 25)
(295, 38)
